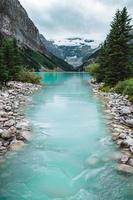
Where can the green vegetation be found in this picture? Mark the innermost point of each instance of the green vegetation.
(114, 59)
(93, 69)
(27, 76)
(35, 60)
(106, 88)
(125, 88)
(11, 68)
(115, 68)
(15, 61)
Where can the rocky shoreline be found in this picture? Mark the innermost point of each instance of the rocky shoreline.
(15, 129)
(120, 121)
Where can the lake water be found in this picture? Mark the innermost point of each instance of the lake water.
(70, 154)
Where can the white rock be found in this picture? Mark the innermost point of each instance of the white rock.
(3, 119)
(6, 134)
(12, 129)
(9, 123)
(123, 136)
(129, 122)
(131, 149)
(26, 135)
(115, 134)
(8, 108)
(125, 168)
(125, 111)
(124, 159)
(116, 156)
(16, 145)
(3, 114)
(129, 141)
(23, 125)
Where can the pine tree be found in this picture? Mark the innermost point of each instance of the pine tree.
(11, 58)
(16, 59)
(3, 70)
(100, 76)
(117, 49)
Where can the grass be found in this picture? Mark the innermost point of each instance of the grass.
(125, 88)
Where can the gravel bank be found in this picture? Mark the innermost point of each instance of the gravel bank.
(120, 121)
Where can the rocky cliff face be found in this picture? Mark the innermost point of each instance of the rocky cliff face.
(14, 21)
(51, 47)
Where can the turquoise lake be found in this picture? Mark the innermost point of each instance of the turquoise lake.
(70, 154)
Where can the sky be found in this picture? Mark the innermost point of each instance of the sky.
(74, 18)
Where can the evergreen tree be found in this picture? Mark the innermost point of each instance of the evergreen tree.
(16, 59)
(11, 58)
(3, 70)
(117, 51)
(101, 74)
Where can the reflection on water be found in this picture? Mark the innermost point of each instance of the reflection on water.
(69, 157)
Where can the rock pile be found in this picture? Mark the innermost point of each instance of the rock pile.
(14, 128)
(120, 112)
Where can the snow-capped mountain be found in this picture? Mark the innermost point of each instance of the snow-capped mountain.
(75, 49)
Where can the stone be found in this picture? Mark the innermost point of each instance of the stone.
(129, 122)
(129, 141)
(114, 138)
(1, 143)
(8, 108)
(16, 145)
(115, 156)
(131, 149)
(26, 135)
(3, 114)
(125, 168)
(6, 134)
(23, 125)
(3, 149)
(131, 134)
(9, 123)
(6, 143)
(124, 159)
(123, 136)
(1, 131)
(130, 162)
(119, 142)
(92, 161)
(3, 119)
(125, 111)
(118, 130)
(12, 129)
(115, 134)
(10, 114)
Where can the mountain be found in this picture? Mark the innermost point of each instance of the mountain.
(14, 22)
(51, 47)
(74, 49)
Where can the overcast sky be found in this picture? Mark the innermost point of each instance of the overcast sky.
(66, 18)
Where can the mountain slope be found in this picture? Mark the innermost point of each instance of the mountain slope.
(73, 50)
(14, 22)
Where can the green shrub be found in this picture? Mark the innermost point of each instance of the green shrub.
(93, 69)
(105, 88)
(131, 99)
(125, 88)
(26, 76)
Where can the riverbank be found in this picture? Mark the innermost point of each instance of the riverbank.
(15, 129)
(120, 120)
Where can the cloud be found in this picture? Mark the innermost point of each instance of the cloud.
(64, 18)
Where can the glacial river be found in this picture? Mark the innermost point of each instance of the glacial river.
(71, 155)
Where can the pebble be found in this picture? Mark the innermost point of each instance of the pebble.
(12, 119)
(120, 119)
